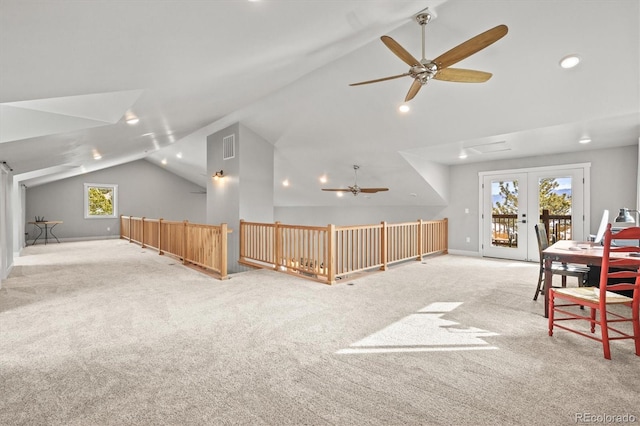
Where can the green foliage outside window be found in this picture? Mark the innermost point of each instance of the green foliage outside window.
(100, 201)
(509, 196)
(550, 198)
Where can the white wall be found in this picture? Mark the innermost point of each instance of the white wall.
(355, 215)
(614, 174)
(613, 185)
(6, 225)
(144, 189)
(246, 192)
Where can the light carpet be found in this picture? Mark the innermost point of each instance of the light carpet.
(109, 333)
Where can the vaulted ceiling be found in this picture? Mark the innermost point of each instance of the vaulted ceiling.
(72, 73)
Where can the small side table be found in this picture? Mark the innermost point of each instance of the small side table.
(46, 227)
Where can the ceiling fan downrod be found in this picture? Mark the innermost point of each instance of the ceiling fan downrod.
(427, 69)
(423, 19)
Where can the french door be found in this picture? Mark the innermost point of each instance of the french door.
(514, 202)
(505, 216)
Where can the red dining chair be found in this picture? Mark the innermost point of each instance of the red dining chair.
(608, 308)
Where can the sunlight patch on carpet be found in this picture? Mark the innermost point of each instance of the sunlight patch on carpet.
(424, 331)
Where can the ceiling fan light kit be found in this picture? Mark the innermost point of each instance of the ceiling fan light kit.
(424, 69)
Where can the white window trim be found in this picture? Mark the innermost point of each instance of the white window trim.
(113, 187)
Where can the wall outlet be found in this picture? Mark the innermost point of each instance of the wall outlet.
(468, 239)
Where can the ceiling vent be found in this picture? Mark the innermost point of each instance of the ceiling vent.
(489, 147)
(228, 147)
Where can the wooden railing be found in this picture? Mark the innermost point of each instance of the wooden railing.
(558, 226)
(201, 245)
(504, 230)
(328, 253)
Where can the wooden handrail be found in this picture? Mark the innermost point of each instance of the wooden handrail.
(328, 253)
(201, 245)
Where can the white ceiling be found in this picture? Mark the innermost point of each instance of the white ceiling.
(71, 72)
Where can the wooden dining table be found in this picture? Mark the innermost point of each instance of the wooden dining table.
(577, 252)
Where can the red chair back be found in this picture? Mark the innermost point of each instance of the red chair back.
(625, 272)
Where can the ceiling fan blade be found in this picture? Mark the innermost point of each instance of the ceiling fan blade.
(413, 90)
(337, 189)
(462, 75)
(372, 190)
(470, 46)
(399, 51)
(380, 79)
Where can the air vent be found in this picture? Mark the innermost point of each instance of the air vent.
(228, 147)
(489, 147)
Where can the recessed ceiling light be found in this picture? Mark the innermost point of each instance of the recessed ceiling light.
(179, 155)
(462, 155)
(96, 155)
(584, 140)
(164, 161)
(285, 182)
(404, 108)
(323, 178)
(339, 194)
(569, 61)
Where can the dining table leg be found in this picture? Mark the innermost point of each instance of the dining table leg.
(548, 277)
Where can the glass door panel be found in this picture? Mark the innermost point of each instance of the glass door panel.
(505, 216)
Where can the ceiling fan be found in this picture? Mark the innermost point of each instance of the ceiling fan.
(424, 70)
(355, 189)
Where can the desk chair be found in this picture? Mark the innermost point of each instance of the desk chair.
(563, 269)
(620, 273)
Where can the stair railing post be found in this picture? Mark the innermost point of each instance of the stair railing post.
(160, 236)
(383, 245)
(278, 248)
(420, 241)
(242, 242)
(142, 232)
(331, 253)
(445, 242)
(185, 241)
(223, 250)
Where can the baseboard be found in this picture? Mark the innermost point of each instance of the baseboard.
(465, 253)
(67, 240)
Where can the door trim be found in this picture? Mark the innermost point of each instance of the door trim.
(586, 201)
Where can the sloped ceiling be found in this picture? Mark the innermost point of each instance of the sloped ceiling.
(71, 73)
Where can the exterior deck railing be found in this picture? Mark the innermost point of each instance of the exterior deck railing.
(197, 244)
(329, 253)
(505, 228)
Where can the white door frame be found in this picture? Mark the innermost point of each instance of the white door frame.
(519, 251)
(586, 167)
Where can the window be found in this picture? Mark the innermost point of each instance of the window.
(100, 201)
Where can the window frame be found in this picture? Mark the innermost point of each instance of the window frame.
(110, 186)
